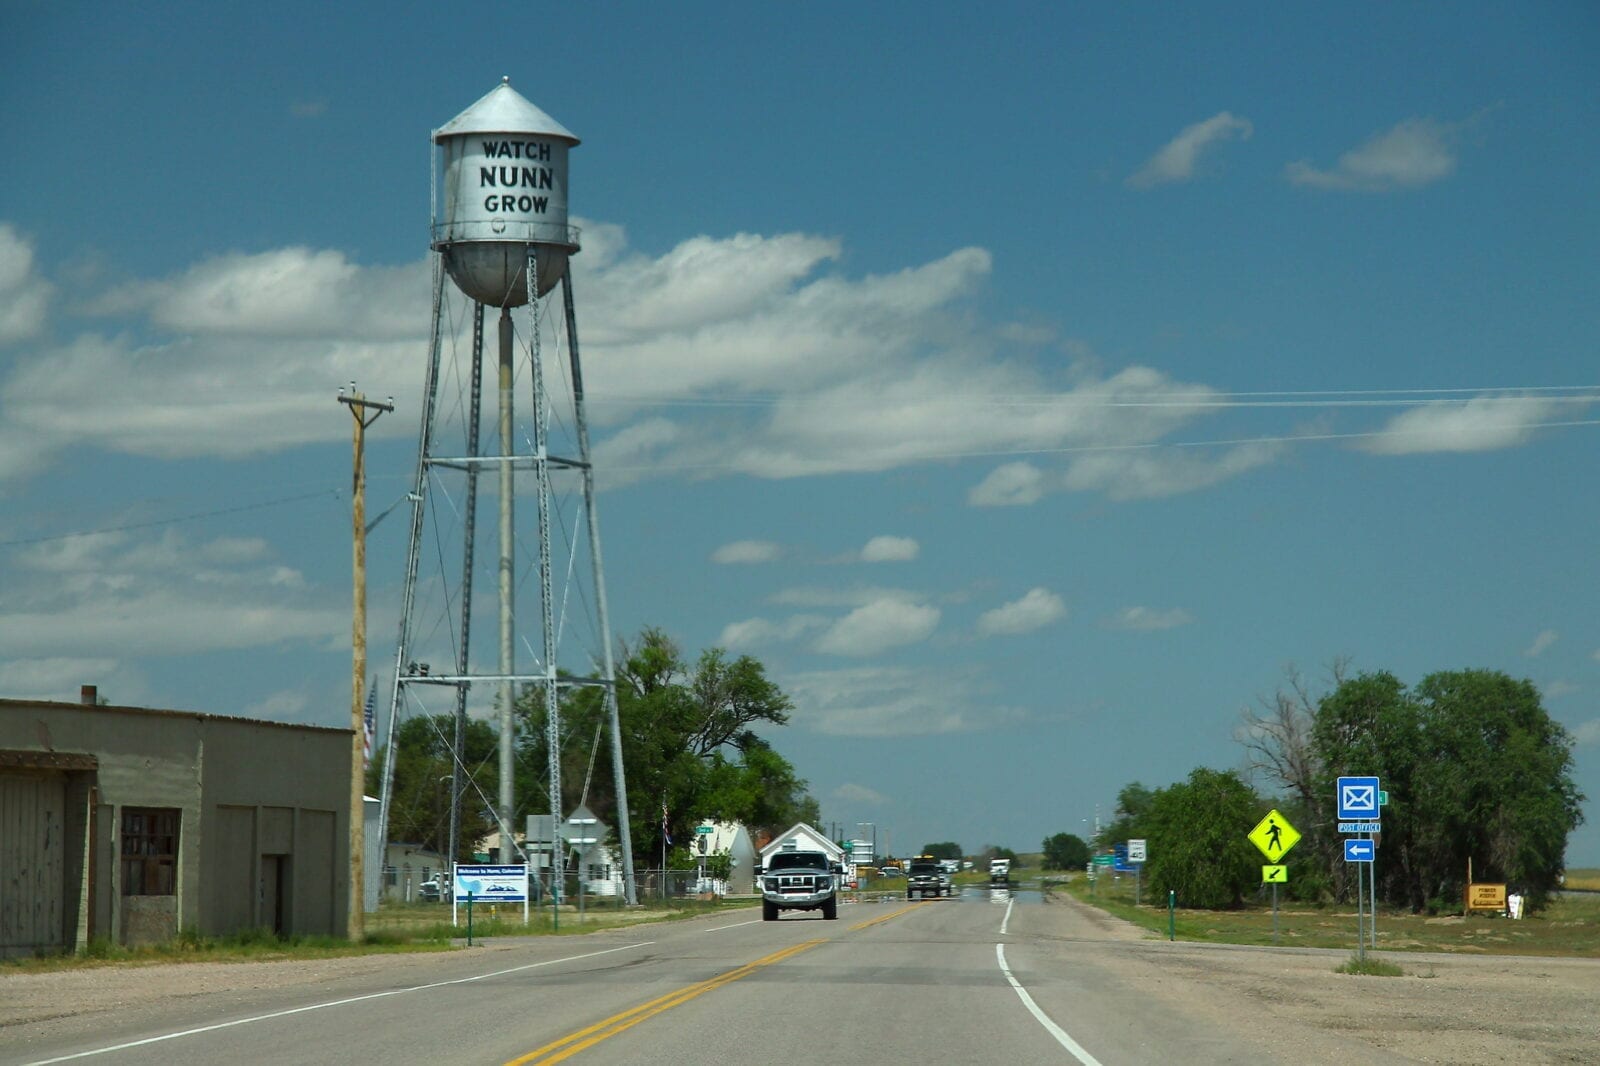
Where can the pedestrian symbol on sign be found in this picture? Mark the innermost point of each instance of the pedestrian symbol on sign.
(1274, 835)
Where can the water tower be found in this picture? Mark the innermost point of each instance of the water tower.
(500, 234)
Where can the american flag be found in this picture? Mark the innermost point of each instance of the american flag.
(664, 831)
(369, 723)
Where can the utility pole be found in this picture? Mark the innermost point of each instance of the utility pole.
(365, 412)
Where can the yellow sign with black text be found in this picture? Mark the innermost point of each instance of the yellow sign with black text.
(1274, 875)
(1486, 897)
(1274, 836)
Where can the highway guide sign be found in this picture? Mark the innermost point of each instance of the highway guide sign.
(1274, 836)
(1357, 798)
(1360, 827)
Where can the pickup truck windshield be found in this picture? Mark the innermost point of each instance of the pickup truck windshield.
(798, 860)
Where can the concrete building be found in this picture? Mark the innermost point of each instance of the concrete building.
(132, 824)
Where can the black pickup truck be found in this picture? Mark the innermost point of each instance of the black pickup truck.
(926, 877)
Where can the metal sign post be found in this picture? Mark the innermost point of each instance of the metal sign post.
(1358, 800)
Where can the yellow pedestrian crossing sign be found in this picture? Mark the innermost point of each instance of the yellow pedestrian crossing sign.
(1274, 875)
(1274, 836)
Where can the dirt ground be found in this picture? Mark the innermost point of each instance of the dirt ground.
(1451, 1009)
(1446, 1009)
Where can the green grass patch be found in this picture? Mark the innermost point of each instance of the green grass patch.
(1569, 927)
(413, 927)
(1371, 966)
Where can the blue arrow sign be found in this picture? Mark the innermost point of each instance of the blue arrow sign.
(1359, 850)
(1357, 798)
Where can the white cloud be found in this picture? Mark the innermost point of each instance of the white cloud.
(892, 702)
(878, 626)
(1148, 618)
(748, 551)
(806, 596)
(1033, 611)
(888, 549)
(1177, 159)
(753, 632)
(1415, 152)
(56, 678)
(1554, 690)
(852, 793)
(1541, 643)
(748, 354)
(1132, 475)
(292, 293)
(1480, 424)
(23, 296)
(287, 706)
(166, 595)
(1586, 733)
(1008, 485)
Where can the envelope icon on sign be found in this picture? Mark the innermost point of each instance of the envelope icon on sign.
(1360, 798)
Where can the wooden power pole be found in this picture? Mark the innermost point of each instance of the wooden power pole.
(365, 412)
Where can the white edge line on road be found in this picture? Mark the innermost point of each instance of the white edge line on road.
(735, 925)
(330, 1003)
(1005, 922)
(1041, 1017)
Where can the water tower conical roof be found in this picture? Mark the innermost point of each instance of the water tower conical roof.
(503, 110)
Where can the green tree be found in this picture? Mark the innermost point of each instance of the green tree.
(946, 849)
(1197, 847)
(1494, 785)
(419, 806)
(689, 740)
(1475, 769)
(1065, 851)
(1368, 725)
(1128, 821)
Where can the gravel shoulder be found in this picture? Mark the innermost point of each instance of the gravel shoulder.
(1446, 1009)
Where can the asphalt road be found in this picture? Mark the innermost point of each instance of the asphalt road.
(988, 977)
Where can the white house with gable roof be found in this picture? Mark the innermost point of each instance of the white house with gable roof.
(802, 837)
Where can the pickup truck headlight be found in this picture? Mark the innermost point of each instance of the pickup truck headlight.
(824, 883)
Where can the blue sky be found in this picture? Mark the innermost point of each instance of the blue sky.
(1029, 390)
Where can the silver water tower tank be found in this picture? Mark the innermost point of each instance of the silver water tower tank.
(505, 197)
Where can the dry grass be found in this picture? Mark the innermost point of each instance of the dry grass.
(1587, 879)
(1569, 927)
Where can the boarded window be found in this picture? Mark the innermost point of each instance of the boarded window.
(149, 851)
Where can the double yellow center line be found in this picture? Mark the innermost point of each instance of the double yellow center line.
(570, 1045)
(567, 1046)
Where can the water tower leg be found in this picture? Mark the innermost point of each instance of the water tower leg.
(508, 556)
(624, 834)
(468, 544)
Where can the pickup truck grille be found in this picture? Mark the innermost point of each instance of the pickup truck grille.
(799, 883)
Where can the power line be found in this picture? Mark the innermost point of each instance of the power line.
(174, 520)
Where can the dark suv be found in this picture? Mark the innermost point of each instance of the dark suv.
(926, 877)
